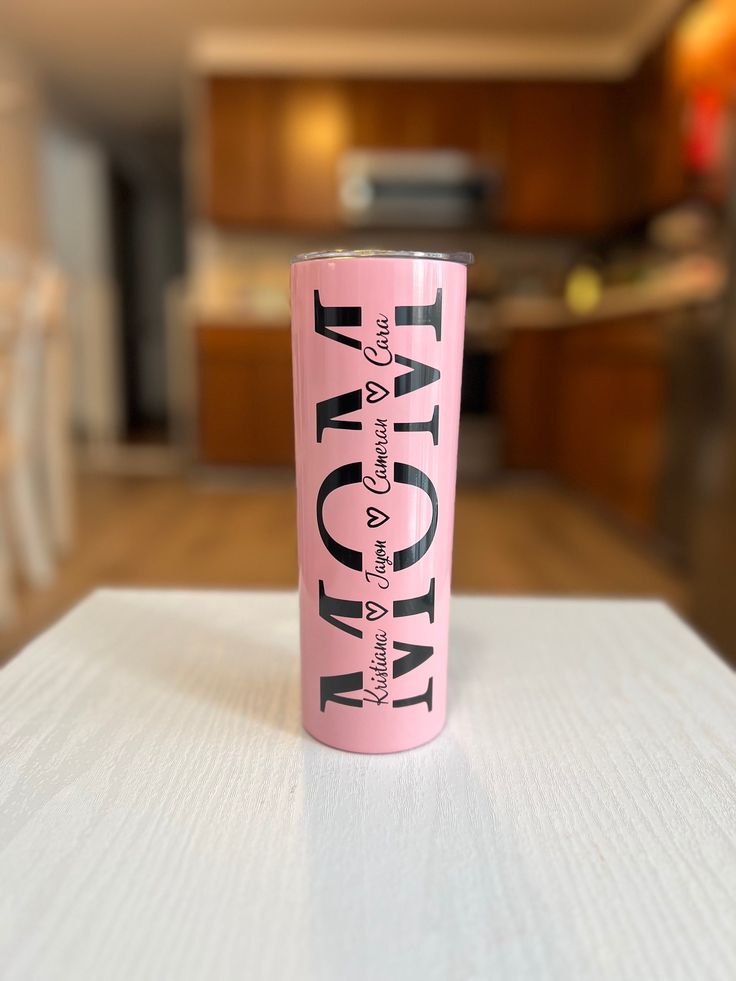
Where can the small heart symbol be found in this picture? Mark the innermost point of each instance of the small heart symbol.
(376, 517)
(375, 610)
(376, 391)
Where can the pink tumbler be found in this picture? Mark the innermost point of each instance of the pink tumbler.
(377, 348)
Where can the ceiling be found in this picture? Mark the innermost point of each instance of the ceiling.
(125, 61)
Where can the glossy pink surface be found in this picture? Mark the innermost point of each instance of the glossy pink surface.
(374, 669)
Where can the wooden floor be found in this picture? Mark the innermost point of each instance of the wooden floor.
(513, 538)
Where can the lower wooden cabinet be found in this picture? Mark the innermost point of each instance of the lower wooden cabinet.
(245, 411)
(589, 403)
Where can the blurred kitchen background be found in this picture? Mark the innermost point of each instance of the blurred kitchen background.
(160, 164)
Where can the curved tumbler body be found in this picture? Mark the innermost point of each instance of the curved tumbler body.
(377, 353)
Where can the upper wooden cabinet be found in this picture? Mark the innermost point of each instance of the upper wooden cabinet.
(269, 149)
(589, 157)
(557, 165)
(574, 156)
(237, 148)
(647, 159)
(448, 113)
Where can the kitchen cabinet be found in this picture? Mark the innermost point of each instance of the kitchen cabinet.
(557, 165)
(270, 149)
(611, 415)
(586, 157)
(528, 397)
(424, 114)
(238, 151)
(313, 131)
(588, 403)
(646, 164)
(575, 156)
(244, 395)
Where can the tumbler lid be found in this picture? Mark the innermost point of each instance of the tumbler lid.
(464, 258)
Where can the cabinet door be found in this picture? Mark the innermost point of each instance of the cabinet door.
(528, 399)
(271, 151)
(557, 161)
(588, 403)
(240, 159)
(244, 395)
(315, 129)
(426, 114)
(647, 162)
(611, 403)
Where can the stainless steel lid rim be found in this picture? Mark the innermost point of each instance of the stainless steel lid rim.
(464, 258)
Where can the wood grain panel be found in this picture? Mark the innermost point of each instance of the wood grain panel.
(315, 128)
(245, 395)
(557, 164)
(528, 402)
(611, 415)
(589, 404)
(470, 115)
(242, 161)
(647, 163)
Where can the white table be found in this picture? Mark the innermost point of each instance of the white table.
(162, 815)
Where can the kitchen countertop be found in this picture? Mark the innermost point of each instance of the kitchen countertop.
(684, 287)
(163, 815)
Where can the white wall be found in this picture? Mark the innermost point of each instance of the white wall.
(78, 229)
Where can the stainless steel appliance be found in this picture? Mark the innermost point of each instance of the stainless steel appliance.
(415, 189)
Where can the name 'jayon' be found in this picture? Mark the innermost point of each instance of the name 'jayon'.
(381, 565)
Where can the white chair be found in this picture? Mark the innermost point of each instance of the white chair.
(36, 472)
(36, 466)
(56, 463)
(24, 421)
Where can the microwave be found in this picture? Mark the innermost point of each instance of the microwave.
(415, 189)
